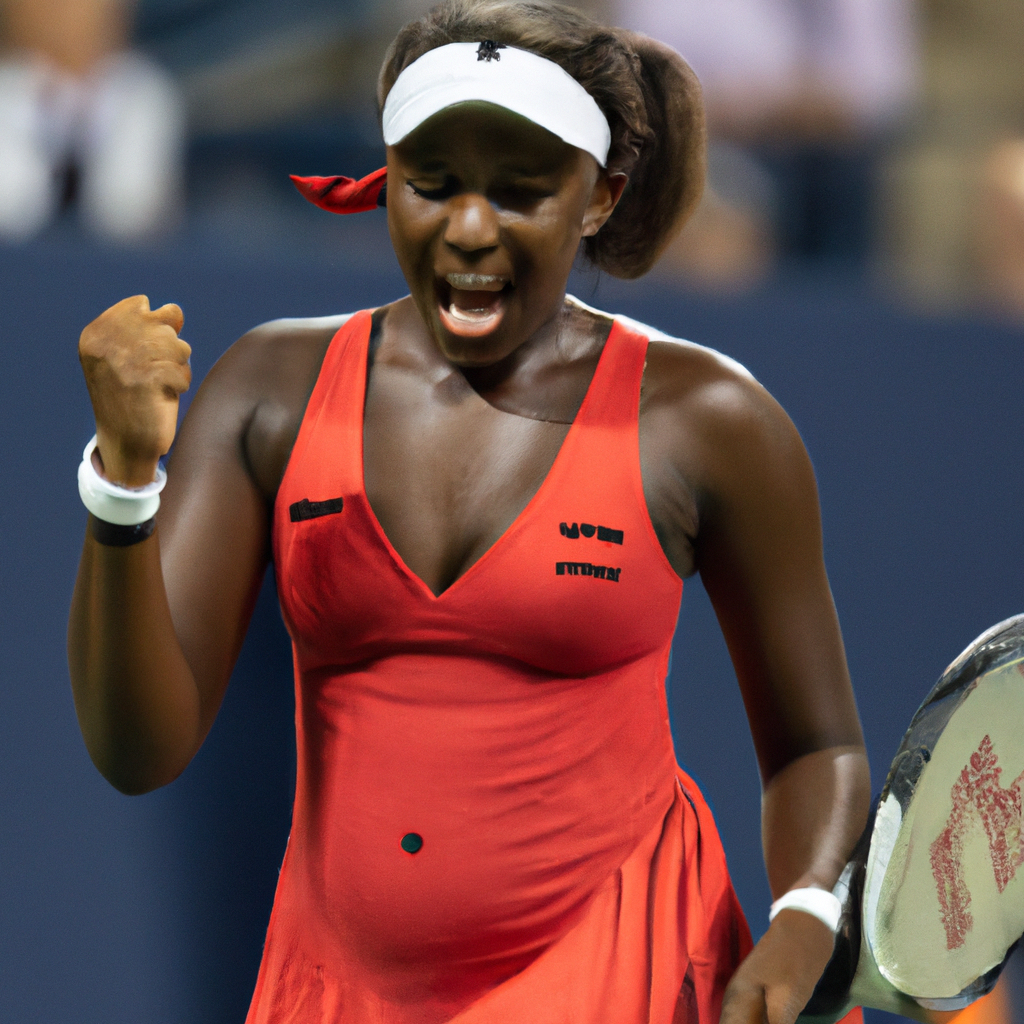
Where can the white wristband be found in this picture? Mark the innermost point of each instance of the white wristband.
(122, 506)
(817, 902)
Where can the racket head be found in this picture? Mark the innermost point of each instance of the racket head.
(943, 902)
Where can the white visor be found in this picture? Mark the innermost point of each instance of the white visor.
(518, 80)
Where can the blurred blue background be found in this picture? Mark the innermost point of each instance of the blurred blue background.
(117, 910)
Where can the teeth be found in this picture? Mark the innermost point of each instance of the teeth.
(476, 282)
(469, 316)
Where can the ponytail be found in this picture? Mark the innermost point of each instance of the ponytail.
(667, 177)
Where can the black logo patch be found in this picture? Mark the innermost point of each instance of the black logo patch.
(605, 533)
(489, 50)
(306, 509)
(598, 572)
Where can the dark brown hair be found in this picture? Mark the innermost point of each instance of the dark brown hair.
(646, 90)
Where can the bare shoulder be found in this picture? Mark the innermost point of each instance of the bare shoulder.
(687, 379)
(699, 384)
(681, 376)
(706, 419)
(254, 397)
(268, 355)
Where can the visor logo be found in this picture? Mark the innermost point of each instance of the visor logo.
(489, 50)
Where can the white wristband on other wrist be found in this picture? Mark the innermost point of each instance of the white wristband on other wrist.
(122, 506)
(817, 902)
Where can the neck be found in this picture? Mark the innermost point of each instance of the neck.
(536, 355)
(545, 378)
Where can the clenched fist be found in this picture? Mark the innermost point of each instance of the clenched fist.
(135, 367)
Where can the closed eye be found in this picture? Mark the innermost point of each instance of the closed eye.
(443, 191)
(520, 197)
(511, 196)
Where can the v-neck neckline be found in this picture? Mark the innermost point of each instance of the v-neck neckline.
(517, 522)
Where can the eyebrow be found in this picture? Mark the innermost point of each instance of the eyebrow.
(510, 171)
(429, 166)
(525, 172)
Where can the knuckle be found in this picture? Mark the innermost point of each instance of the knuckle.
(127, 308)
(88, 345)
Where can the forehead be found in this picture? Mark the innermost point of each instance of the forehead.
(481, 130)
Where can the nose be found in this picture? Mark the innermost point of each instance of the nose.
(472, 223)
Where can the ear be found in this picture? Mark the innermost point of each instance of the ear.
(607, 192)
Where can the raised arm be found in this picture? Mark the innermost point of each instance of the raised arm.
(156, 626)
(755, 537)
(147, 671)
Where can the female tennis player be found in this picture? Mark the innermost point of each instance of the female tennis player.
(481, 501)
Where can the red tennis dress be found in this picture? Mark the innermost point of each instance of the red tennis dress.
(489, 826)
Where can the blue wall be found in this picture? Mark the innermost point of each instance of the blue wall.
(117, 910)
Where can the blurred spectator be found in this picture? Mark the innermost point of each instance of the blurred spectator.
(955, 191)
(250, 65)
(1000, 228)
(82, 114)
(800, 95)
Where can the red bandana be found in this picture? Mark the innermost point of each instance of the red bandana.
(344, 195)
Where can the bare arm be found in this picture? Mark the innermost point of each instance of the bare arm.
(760, 555)
(155, 628)
(755, 537)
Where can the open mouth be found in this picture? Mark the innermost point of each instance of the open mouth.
(472, 305)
